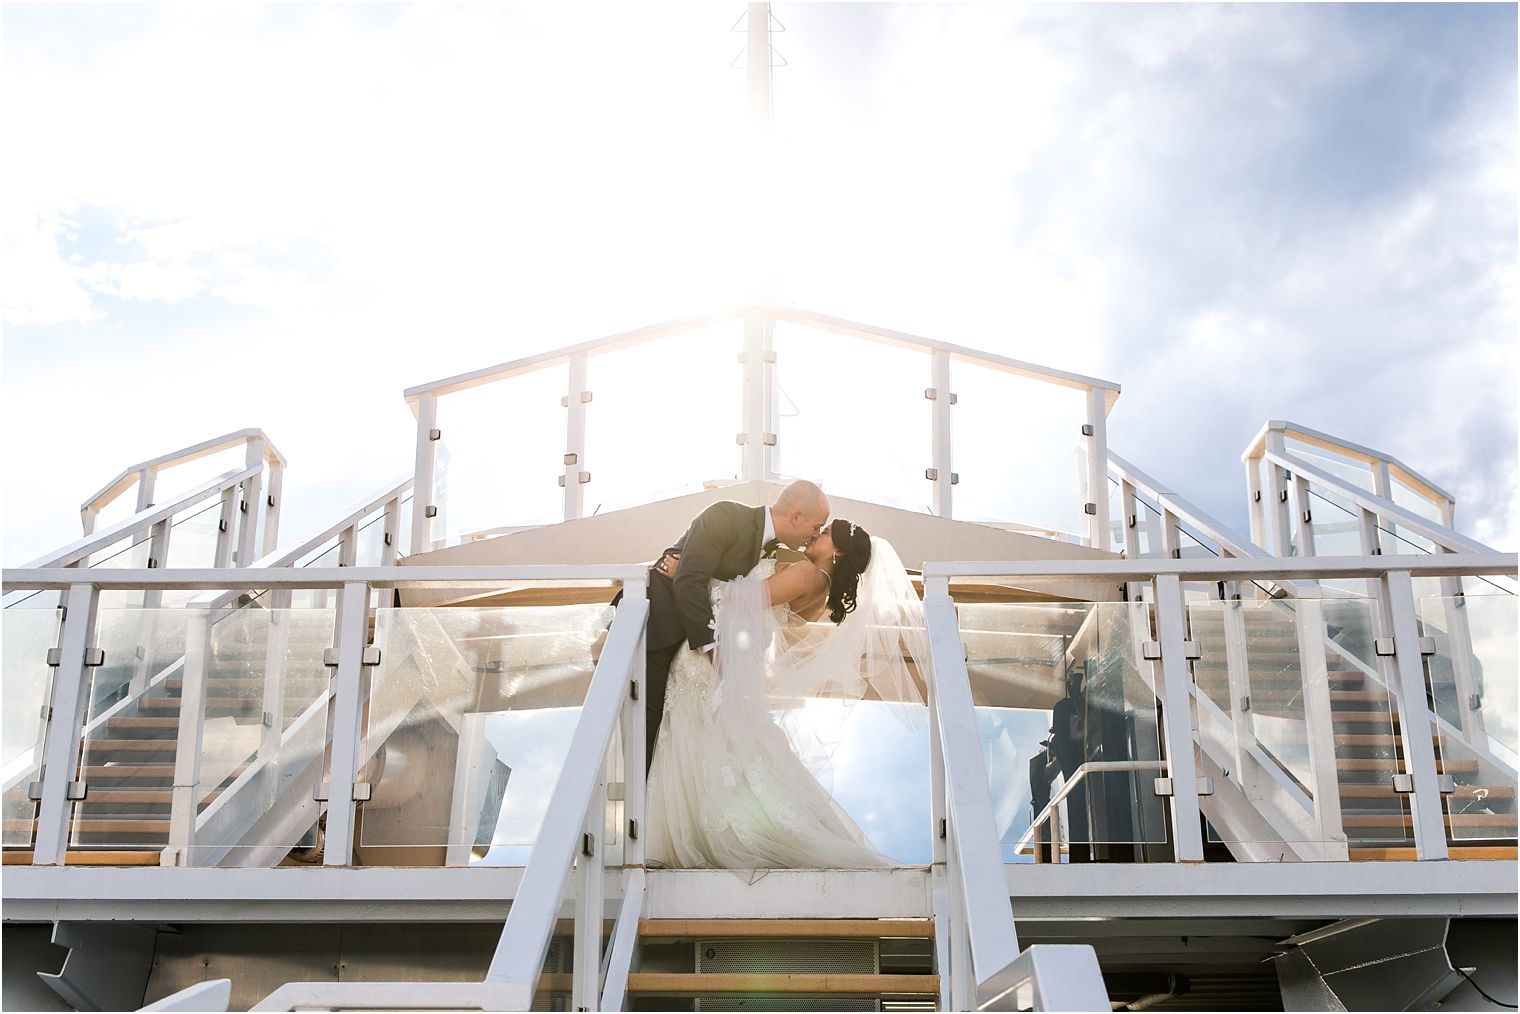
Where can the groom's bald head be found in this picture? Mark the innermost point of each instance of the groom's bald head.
(799, 513)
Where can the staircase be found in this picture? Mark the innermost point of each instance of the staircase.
(128, 754)
(1365, 732)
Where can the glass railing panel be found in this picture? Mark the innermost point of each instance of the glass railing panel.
(130, 553)
(885, 422)
(131, 732)
(471, 712)
(26, 635)
(193, 536)
(1354, 472)
(1337, 531)
(1019, 450)
(1300, 721)
(1058, 686)
(264, 730)
(1148, 528)
(505, 455)
(1472, 681)
(1415, 503)
(323, 557)
(683, 390)
(1116, 518)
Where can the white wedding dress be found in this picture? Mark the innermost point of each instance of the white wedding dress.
(726, 788)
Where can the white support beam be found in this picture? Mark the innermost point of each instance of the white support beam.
(758, 361)
(576, 467)
(1416, 731)
(1097, 469)
(1174, 682)
(226, 535)
(68, 706)
(1277, 500)
(423, 474)
(632, 724)
(586, 943)
(1319, 727)
(273, 502)
(941, 434)
(624, 938)
(1255, 498)
(348, 706)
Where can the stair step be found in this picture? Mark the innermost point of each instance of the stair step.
(123, 797)
(1390, 765)
(1353, 696)
(1353, 739)
(85, 857)
(1379, 791)
(128, 771)
(1467, 820)
(1407, 853)
(116, 825)
(789, 929)
(865, 984)
(99, 746)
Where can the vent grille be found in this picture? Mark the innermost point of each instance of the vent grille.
(789, 1002)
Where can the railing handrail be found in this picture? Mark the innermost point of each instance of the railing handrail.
(209, 578)
(141, 521)
(1447, 538)
(184, 455)
(1201, 522)
(871, 332)
(1071, 783)
(1232, 569)
(1346, 448)
(286, 557)
(530, 364)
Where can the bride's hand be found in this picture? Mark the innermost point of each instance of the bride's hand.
(668, 564)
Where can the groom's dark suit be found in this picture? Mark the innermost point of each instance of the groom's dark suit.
(724, 542)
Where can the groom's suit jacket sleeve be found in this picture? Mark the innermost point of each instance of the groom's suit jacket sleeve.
(722, 543)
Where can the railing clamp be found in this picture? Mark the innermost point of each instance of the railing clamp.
(1165, 788)
(572, 458)
(320, 793)
(1245, 702)
(1090, 509)
(1132, 520)
(435, 434)
(1427, 646)
(1383, 647)
(1474, 702)
(221, 524)
(944, 828)
(431, 511)
(362, 792)
(34, 791)
(76, 791)
(1087, 429)
(633, 690)
(1282, 495)
(633, 829)
(92, 659)
(1404, 784)
(1308, 516)
(371, 656)
(586, 844)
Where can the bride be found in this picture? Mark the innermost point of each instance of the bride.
(727, 788)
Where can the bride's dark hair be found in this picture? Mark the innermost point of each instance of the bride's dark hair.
(854, 544)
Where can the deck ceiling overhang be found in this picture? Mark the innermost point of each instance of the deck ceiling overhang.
(641, 533)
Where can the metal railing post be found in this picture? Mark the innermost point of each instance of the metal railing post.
(1254, 498)
(390, 536)
(758, 359)
(348, 708)
(937, 815)
(632, 721)
(576, 474)
(941, 434)
(226, 535)
(276, 642)
(68, 705)
(1175, 683)
(1097, 468)
(250, 508)
(272, 504)
(423, 507)
(1277, 499)
(185, 795)
(1238, 671)
(1416, 731)
(585, 983)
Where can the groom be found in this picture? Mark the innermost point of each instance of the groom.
(724, 542)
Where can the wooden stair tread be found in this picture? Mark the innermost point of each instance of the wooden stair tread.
(1377, 790)
(781, 982)
(812, 929)
(1459, 820)
(1403, 853)
(1391, 765)
(96, 825)
(80, 857)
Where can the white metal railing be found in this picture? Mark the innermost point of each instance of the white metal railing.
(1052, 812)
(1185, 714)
(260, 497)
(981, 958)
(759, 398)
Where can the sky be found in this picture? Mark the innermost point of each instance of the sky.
(222, 216)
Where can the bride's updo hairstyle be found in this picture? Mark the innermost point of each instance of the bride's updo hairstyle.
(854, 543)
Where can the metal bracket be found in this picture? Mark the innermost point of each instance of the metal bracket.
(267, 721)
(586, 844)
(430, 511)
(1090, 509)
(1474, 702)
(766, 356)
(221, 524)
(320, 792)
(633, 690)
(1087, 429)
(152, 563)
(387, 538)
(769, 439)
(45, 713)
(955, 478)
(1308, 516)
(1404, 784)
(571, 459)
(91, 659)
(1427, 646)
(1256, 497)
(435, 434)
(362, 792)
(1151, 650)
(1245, 702)
(1282, 495)
(583, 478)
(371, 656)
(633, 829)
(243, 506)
(34, 791)
(1191, 650)
(1132, 520)
(269, 499)
(1383, 647)
(944, 828)
(1164, 787)
(932, 474)
(76, 790)
(931, 393)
